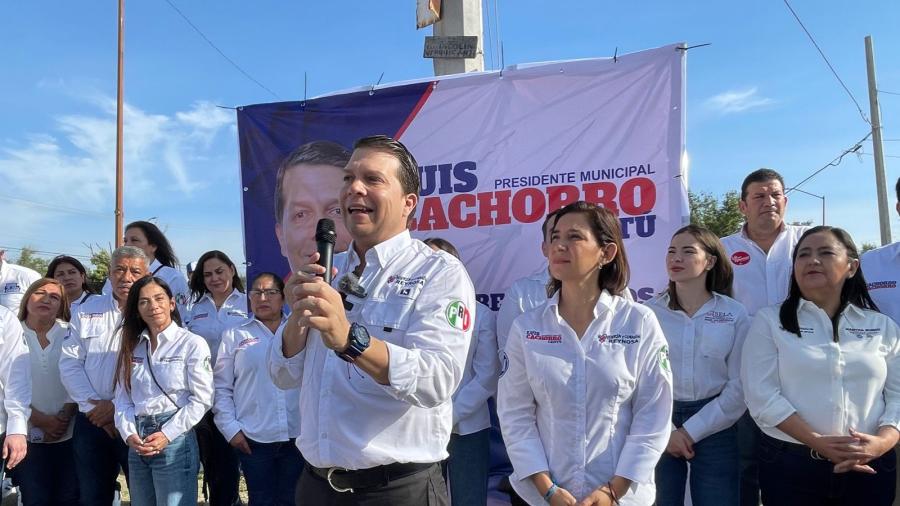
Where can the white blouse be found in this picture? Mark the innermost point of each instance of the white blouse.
(586, 409)
(833, 386)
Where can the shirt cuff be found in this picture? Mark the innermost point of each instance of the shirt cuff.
(16, 425)
(695, 428)
(527, 457)
(230, 430)
(127, 430)
(172, 430)
(637, 462)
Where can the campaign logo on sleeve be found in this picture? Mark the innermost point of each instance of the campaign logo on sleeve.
(664, 359)
(458, 315)
(740, 258)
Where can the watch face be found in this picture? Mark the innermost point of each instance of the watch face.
(361, 335)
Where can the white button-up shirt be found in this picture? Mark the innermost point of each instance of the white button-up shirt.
(705, 351)
(246, 398)
(47, 392)
(586, 409)
(761, 280)
(74, 304)
(15, 376)
(181, 366)
(854, 382)
(208, 322)
(421, 303)
(14, 280)
(87, 364)
(177, 283)
(881, 268)
(479, 382)
(522, 296)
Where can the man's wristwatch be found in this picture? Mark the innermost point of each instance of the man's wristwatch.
(357, 343)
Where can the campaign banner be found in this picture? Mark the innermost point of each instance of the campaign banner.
(496, 151)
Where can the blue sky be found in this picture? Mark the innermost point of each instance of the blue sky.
(760, 95)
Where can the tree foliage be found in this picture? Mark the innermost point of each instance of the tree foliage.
(722, 218)
(28, 258)
(100, 260)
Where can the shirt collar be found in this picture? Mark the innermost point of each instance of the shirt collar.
(154, 265)
(168, 334)
(781, 232)
(806, 305)
(234, 293)
(382, 252)
(604, 304)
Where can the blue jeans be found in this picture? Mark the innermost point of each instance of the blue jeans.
(466, 470)
(271, 471)
(98, 458)
(167, 479)
(45, 477)
(714, 468)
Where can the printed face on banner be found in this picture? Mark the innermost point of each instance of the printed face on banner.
(311, 193)
(374, 205)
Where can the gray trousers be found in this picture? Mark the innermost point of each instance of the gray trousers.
(424, 488)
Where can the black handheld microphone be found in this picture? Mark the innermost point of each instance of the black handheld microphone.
(325, 237)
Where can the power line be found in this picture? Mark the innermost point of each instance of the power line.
(886, 156)
(888, 92)
(835, 162)
(822, 53)
(54, 253)
(71, 210)
(232, 62)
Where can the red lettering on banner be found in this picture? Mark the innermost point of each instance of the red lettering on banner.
(493, 202)
(602, 194)
(562, 196)
(457, 218)
(432, 217)
(629, 201)
(636, 199)
(520, 209)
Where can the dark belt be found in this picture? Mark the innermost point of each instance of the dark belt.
(347, 480)
(794, 448)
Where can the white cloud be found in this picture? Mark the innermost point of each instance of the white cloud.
(735, 101)
(74, 165)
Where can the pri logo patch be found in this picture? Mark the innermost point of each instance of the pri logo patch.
(740, 258)
(458, 316)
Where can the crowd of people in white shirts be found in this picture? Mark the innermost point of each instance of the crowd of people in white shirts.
(600, 400)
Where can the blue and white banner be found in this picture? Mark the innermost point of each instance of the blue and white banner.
(496, 153)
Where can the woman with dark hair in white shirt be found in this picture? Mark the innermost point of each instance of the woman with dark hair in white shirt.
(821, 375)
(260, 420)
(219, 303)
(164, 385)
(705, 329)
(586, 402)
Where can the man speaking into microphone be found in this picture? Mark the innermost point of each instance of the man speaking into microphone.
(378, 358)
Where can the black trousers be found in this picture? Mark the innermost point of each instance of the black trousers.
(792, 478)
(425, 488)
(221, 467)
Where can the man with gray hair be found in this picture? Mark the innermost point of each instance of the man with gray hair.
(87, 369)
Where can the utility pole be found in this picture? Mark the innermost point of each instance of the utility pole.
(120, 98)
(884, 216)
(460, 18)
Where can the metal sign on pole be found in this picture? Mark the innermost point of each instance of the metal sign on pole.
(452, 46)
(884, 213)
